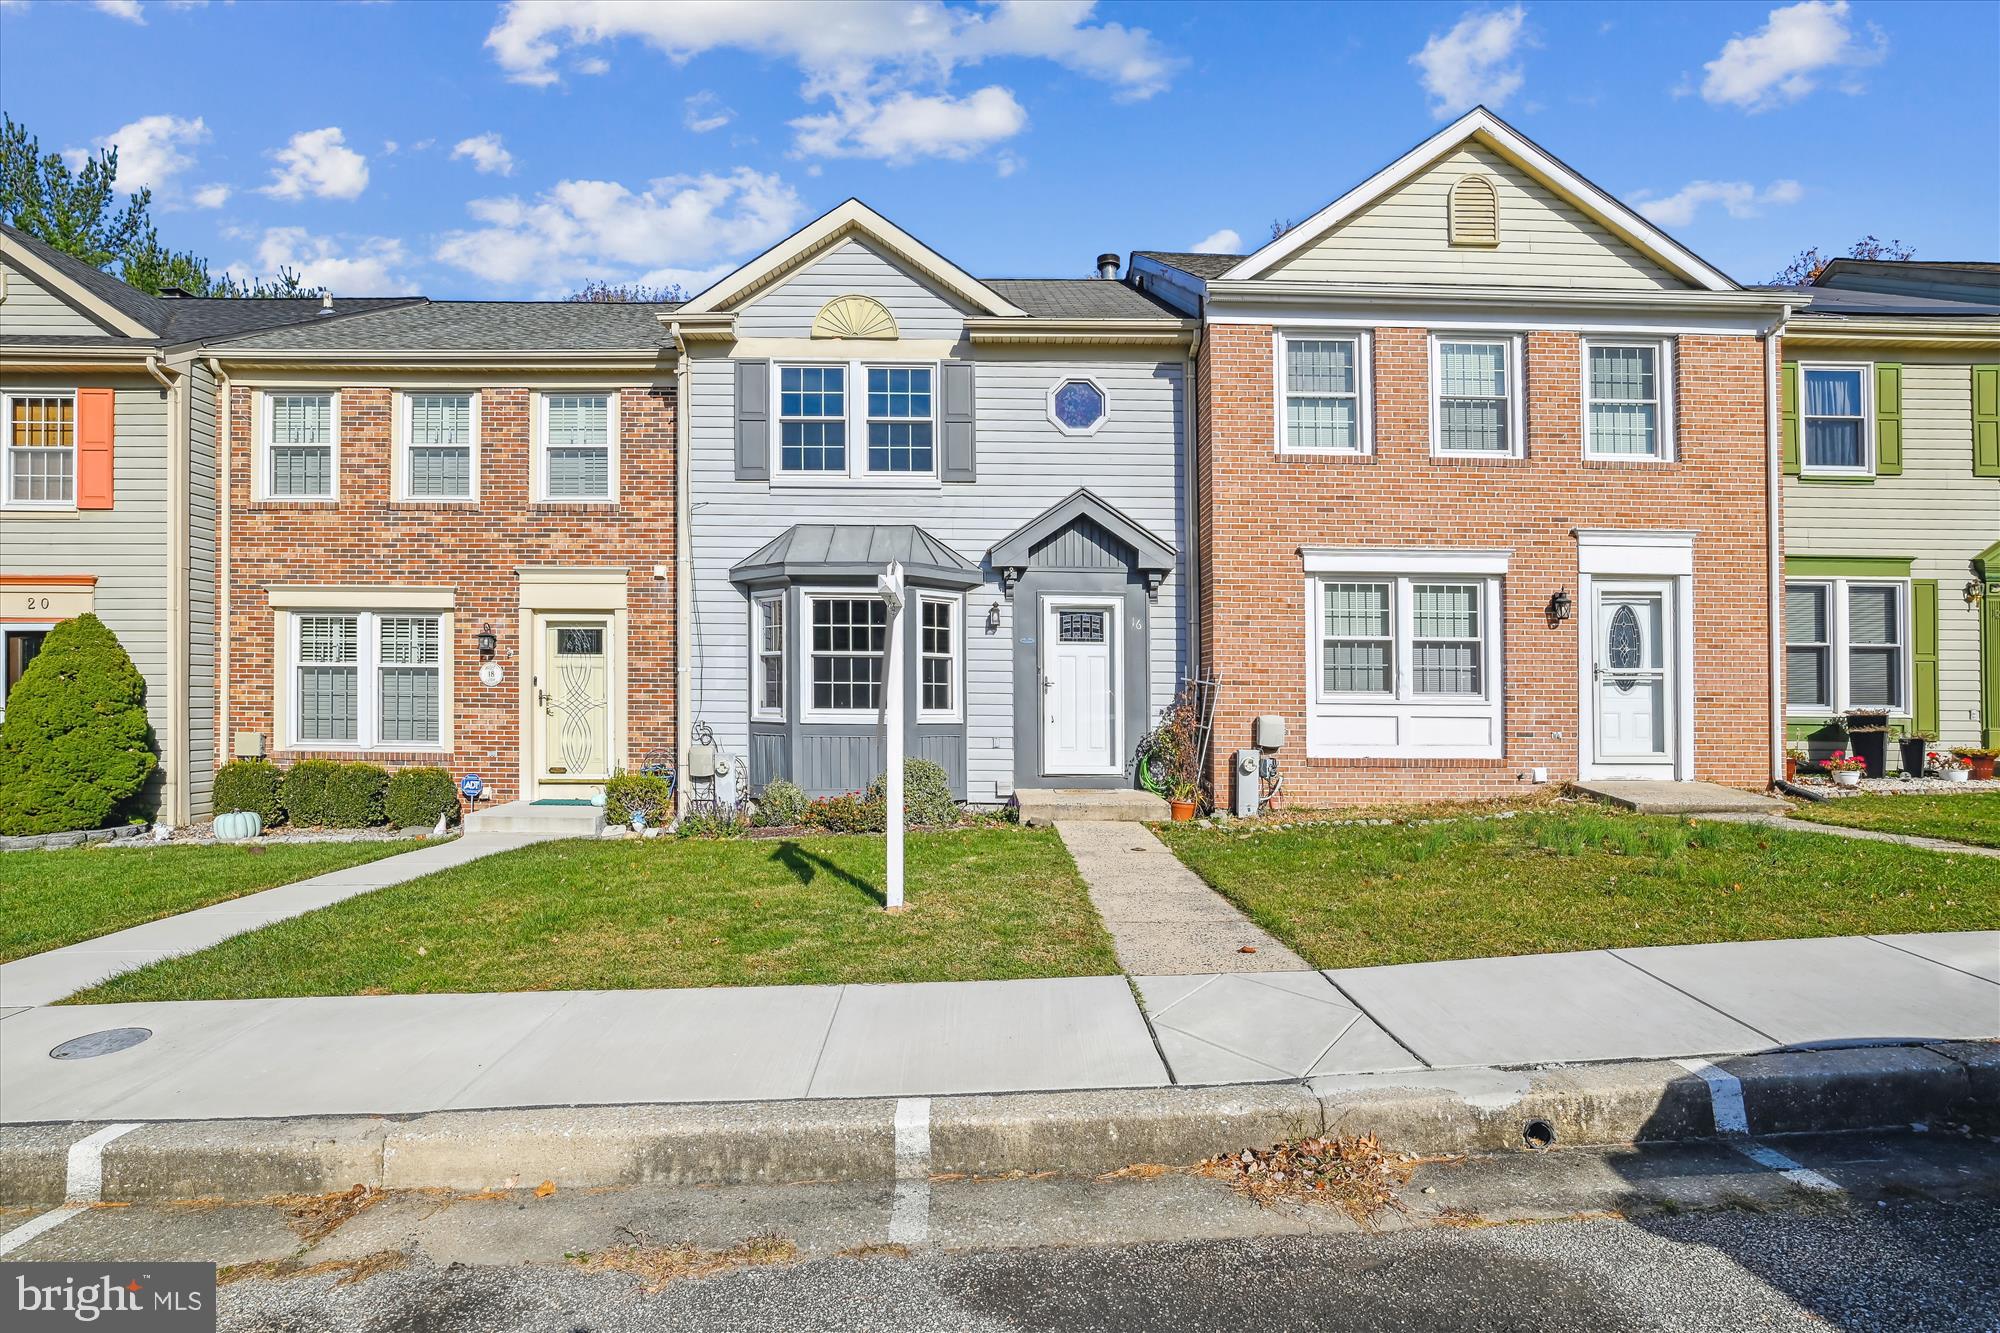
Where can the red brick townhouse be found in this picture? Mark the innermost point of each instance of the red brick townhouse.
(1487, 483)
(448, 537)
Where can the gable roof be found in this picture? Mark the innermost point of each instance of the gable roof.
(1483, 126)
(123, 309)
(1149, 553)
(1198, 264)
(850, 218)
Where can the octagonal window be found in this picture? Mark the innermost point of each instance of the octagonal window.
(1078, 406)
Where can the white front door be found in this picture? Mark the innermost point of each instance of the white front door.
(1080, 687)
(1632, 680)
(572, 702)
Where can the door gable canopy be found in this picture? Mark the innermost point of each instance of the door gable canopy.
(1093, 520)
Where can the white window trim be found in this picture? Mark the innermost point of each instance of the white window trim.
(808, 712)
(1838, 645)
(260, 461)
(957, 710)
(758, 712)
(541, 460)
(1364, 389)
(1516, 373)
(856, 473)
(1103, 395)
(368, 666)
(1867, 468)
(7, 459)
(404, 444)
(1663, 386)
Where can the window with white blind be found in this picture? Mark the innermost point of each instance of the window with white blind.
(39, 462)
(1323, 393)
(1847, 645)
(578, 459)
(1475, 396)
(1627, 397)
(1834, 415)
(300, 450)
(440, 443)
(363, 680)
(767, 646)
(937, 656)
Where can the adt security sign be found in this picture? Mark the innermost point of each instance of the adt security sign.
(472, 787)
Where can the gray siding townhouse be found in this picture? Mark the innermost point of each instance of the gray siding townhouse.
(108, 482)
(1018, 445)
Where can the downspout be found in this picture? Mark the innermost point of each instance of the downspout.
(174, 801)
(1191, 502)
(683, 583)
(1774, 458)
(225, 749)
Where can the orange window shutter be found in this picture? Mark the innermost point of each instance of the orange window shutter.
(95, 410)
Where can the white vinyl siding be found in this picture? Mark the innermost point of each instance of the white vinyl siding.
(1858, 652)
(38, 469)
(578, 455)
(300, 450)
(1475, 396)
(788, 308)
(1323, 393)
(440, 438)
(362, 680)
(1627, 397)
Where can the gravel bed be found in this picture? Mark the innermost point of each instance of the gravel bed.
(1897, 786)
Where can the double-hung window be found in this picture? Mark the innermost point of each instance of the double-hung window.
(1447, 639)
(938, 657)
(1833, 417)
(767, 628)
(848, 635)
(578, 459)
(1626, 396)
(1358, 631)
(812, 419)
(1846, 645)
(300, 443)
(1324, 390)
(855, 421)
(40, 459)
(363, 680)
(440, 433)
(899, 419)
(1475, 396)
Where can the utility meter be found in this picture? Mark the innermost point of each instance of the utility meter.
(1246, 778)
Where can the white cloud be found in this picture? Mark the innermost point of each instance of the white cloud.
(592, 65)
(1473, 64)
(152, 151)
(121, 9)
(1782, 61)
(317, 163)
(871, 58)
(210, 196)
(677, 229)
(704, 111)
(364, 266)
(489, 156)
(1739, 199)
(1221, 242)
(904, 127)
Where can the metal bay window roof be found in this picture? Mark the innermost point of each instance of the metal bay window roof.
(855, 550)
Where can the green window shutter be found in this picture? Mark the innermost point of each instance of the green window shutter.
(1888, 420)
(1925, 707)
(1986, 421)
(1788, 395)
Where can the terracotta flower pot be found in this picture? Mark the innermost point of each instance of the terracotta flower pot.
(1791, 770)
(1982, 768)
(1182, 810)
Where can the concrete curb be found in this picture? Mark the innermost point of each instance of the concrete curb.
(1075, 1133)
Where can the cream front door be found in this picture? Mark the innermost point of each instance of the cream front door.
(1080, 687)
(1632, 680)
(572, 701)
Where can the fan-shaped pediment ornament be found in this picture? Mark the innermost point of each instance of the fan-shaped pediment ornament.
(854, 316)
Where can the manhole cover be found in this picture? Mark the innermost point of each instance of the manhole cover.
(108, 1042)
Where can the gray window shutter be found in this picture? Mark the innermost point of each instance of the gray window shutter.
(753, 420)
(957, 461)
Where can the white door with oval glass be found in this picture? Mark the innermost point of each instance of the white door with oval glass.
(1632, 680)
(571, 701)
(1081, 650)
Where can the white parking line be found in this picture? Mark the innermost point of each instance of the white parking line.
(1725, 1097)
(910, 1215)
(83, 1185)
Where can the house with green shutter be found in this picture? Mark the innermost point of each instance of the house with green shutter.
(1891, 421)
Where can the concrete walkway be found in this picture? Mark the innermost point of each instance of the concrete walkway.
(1864, 834)
(45, 978)
(1162, 917)
(398, 1055)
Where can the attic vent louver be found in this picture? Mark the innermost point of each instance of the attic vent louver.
(1475, 212)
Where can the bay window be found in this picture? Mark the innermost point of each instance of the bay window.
(365, 680)
(1847, 645)
(768, 646)
(1324, 408)
(300, 445)
(40, 456)
(848, 636)
(937, 656)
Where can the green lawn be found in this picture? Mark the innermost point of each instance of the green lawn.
(574, 915)
(1359, 896)
(49, 899)
(1973, 817)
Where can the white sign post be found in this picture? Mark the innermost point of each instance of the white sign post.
(890, 582)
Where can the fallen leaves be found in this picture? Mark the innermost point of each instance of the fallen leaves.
(317, 1216)
(545, 1189)
(350, 1271)
(656, 1266)
(1353, 1173)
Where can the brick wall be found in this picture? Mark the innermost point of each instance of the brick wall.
(367, 538)
(1260, 508)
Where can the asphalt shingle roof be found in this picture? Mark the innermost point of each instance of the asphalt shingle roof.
(477, 326)
(1847, 301)
(1200, 265)
(1080, 298)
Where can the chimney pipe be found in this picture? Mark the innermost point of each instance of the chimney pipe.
(326, 303)
(1107, 267)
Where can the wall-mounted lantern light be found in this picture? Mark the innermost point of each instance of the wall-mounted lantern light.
(1559, 607)
(993, 618)
(1973, 591)
(488, 643)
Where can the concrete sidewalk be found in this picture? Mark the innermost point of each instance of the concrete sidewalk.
(45, 978)
(399, 1055)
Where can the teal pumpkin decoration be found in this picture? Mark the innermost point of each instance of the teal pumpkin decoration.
(238, 825)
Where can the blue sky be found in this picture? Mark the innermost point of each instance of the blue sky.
(484, 150)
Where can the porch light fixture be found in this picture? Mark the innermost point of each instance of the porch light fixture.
(1559, 607)
(993, 618)
(488, 643)
(1973, 591)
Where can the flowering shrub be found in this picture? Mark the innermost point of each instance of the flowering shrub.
(1944, 762)
(1840, 761)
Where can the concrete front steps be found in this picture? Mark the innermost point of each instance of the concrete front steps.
(556, 821)
(1043, 806)
(1680, 798)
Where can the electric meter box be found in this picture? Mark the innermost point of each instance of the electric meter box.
(1246, 779)
(1269, 732)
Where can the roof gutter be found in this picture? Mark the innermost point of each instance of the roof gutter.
(376, 359)
(1509, 298)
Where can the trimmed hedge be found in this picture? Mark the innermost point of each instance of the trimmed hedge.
(76, 745)
(306, 792)
(927, 801)
(357, 794)
(781, 805)
(417, 796)
(253, 785)
(644, 793)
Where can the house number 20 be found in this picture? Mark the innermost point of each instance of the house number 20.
(38, 603)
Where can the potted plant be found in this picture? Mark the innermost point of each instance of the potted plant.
(1979, 758)
(1846, 768)
(1951, 767)
(1794, 756)
(1185, 801)
(1916, 748)
(1868, 738)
